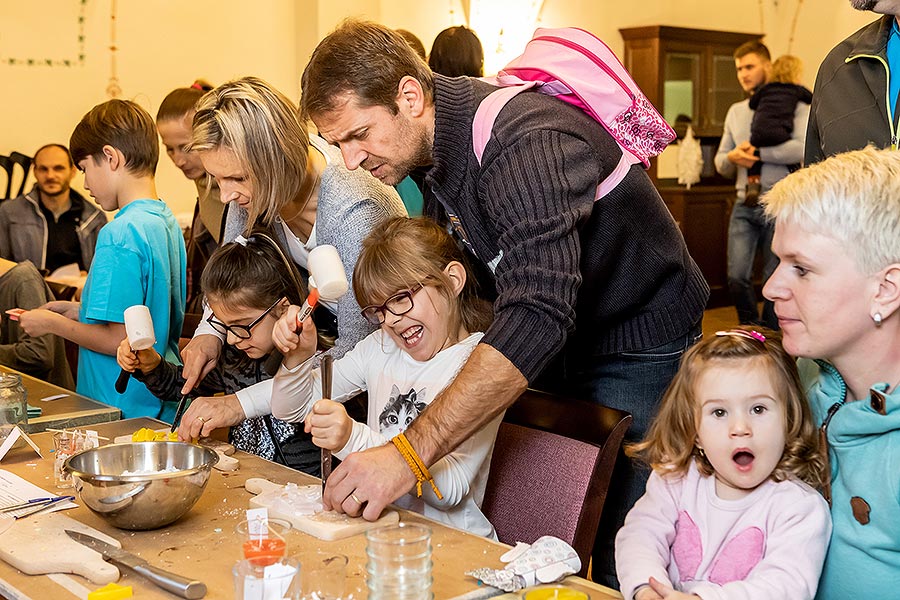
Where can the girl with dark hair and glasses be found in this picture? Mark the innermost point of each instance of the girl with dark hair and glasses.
(248, 284)
(412, 279)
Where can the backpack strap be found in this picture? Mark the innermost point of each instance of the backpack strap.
(486, 115)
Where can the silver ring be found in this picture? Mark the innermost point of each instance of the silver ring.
(355, 499)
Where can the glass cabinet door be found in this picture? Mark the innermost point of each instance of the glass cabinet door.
(681, 89)
(724, 90)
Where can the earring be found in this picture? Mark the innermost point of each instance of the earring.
(877, 318)
(700, 450)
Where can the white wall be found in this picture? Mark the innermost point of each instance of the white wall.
(163, 44)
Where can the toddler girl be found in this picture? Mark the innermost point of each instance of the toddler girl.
(412, 281)
(730, 510)
(247, 284)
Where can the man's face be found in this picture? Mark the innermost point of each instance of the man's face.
(53, 171)
(388, 146)
(752, 71)
(883, 7)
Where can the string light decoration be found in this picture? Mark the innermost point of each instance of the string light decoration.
(56, 62)
(113, 89)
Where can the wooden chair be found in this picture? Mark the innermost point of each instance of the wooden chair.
(8, 164)
(551, 469)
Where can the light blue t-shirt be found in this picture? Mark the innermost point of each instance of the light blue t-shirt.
(139, 259)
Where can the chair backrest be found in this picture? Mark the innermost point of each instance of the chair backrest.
(551, 469)
(24, 162)
(7, 165)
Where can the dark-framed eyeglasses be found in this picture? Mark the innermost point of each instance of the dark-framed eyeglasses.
(398, 304)
(242, 332)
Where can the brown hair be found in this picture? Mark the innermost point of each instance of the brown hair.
(363, 58)
(414, 42)
(252, 272)
(123, 125)
(401, 253)
(181, 101)
(669, 446)
(264, 130)
(457, 51)
(753, 47)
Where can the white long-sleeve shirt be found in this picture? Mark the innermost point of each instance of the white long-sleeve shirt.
(399, 388)
(768, 544)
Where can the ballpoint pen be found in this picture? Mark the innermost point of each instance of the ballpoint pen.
(37, 505)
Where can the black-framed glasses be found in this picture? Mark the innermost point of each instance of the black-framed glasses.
(398, 304)
(242, 332)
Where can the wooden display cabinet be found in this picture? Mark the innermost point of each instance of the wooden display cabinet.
(689, 74)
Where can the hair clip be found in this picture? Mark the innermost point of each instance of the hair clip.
(197, 86)
(241, 240)
(751, 335)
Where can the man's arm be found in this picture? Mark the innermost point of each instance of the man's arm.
(487, 384)
(724, 165)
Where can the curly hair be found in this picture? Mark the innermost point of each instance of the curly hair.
(669, 447)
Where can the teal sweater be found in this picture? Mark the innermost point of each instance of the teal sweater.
(863, 559)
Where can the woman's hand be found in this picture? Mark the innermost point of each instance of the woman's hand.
(67, 309)
(295, 346)
(329, 424)
(40, 321)
(131, 360)
(199, 357)
(205, 414)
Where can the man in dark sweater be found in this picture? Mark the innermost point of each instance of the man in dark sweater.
(597, 299)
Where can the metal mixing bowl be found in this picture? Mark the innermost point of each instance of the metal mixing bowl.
(167, 479)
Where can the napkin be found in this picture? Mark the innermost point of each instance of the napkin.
(547, 560)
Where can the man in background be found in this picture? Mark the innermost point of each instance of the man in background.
(748, 230)
(52, 225)
(855, 101)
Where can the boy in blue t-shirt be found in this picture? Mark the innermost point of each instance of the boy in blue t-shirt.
(139, 258)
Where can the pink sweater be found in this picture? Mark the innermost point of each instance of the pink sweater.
(769, 544)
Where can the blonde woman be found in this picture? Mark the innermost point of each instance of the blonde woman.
(251, 139)
(837, 296)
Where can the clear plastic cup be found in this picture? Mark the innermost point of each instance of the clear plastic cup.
(254, 581)
(323, 575)
(263, 544)
(399, 562)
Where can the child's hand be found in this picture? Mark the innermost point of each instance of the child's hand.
(296, 347)
(647, 593)
(65, 308)
(39, 321)
(329, 424)
(145, 360)
(666, 592)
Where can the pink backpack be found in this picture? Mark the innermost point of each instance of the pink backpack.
(578, 68)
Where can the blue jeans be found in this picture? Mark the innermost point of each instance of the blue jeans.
(749, 233)
(633, 382)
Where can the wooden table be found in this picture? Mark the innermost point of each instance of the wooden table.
(202, 544)
(73, 410)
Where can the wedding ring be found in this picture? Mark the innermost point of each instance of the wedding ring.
(201, 419)
(355, 499)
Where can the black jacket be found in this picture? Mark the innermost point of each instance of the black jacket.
(850, 107)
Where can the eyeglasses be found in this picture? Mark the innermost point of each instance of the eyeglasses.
(398, 304)
(242, 332)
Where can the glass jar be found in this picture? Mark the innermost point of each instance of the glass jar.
(13, 403)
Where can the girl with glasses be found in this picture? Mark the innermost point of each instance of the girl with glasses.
(412, 280)
(248, 284)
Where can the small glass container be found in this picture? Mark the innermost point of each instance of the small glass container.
(13, 406)
(399, 562)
